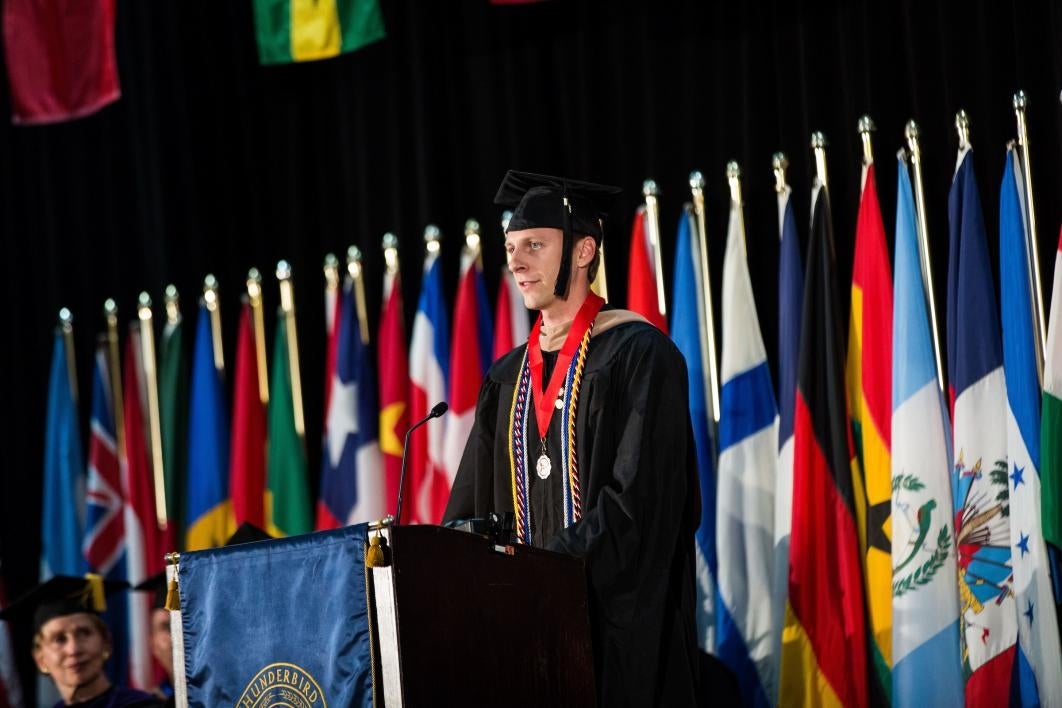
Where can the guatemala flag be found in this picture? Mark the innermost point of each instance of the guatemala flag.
(927, 669)
(1038, 665)
(352, 484)
(689, 331)
(748, 459)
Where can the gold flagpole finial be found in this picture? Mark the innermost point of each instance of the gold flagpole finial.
(213, 305)
(473, 241)
(818, 146)
(962, 127)
(389, 243)
(866, 127)
(151, 383)
(173, 304)
(357, 276)
(254, 298)
(66, 325)
(652, 222)
(287, 305)
(114, 372)
(432, 238)
(705, 314)
(733, 178)
(331, 272)
(779, 164)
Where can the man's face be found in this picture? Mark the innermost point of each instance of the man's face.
(534, 257)
(162, 640)
(71, 650)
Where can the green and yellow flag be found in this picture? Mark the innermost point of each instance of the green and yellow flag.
(306, 30)
(287, 488)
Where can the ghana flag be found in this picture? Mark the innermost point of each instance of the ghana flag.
(824, 649)
(304, 30)
(869, 374)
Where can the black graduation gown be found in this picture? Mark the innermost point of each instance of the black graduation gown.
(117, 697)
(638, 483)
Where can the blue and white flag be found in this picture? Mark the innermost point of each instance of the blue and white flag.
(1038, 663)
(927, 668)
(748, 460)
(281, 622)
(689, 331)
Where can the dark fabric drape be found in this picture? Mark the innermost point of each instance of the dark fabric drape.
(211, 163)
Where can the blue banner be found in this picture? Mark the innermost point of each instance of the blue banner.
(280, 622)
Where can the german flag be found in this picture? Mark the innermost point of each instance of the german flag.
(824, 642)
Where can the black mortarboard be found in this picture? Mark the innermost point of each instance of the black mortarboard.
(542, 201)
(157, 586)
(63, 595)
(247, 533)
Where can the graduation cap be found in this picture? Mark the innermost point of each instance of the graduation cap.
(63, 595)
(247, 533)
(157, 586)
(542, 201)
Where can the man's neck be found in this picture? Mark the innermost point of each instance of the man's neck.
(561, 312)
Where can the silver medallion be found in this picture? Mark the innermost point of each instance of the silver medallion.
(543, 467)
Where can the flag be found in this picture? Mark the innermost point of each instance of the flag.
(1051, 421)
(60, 59)
(247, 456)
(63, 506)
(511, 321)
(869, 386)
(309, 592)
(1039, 659)
(394, 383)
(429, 358)
(305, 30)
(173, 413)
(470, 357)
(10, 688)
(145, 545)
(287, 486)
(926, 668)
(689, 331)
(748, 458)
(979, 442)
(208, 445)
(104, 545)
(352, 474)
(641, 274)
(790, 301)
(824, 644)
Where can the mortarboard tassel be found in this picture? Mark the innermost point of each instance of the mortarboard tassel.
(95, 598)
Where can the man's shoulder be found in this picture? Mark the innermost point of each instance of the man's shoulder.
(635, 336)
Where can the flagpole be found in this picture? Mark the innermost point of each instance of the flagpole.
(390, 249)
(254, 296)
(911, 132)
(356, 271)
(114, 371)
(866, 127)
(151, 382)
(1020, 103)
(818, 146)
(210, 298)
(779, 164)
(707, 353)
(66, 324)
(652, 225)
(287, 306)
(733, 178)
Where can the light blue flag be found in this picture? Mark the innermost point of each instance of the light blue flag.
(63, 509)
(927, 668)
(748, 462)
(1038, 666)
(208, 507)
(689, 332)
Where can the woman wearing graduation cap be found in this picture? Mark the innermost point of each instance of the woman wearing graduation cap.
(584, 435)
(71, 643)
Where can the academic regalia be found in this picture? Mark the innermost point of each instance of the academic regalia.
(117, 697)
(640, 503)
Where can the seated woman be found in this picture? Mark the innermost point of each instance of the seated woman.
(71, 641)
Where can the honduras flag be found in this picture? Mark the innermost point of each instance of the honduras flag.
(927, 669)
(748, 459)
(980, 471)
(690, 333)
(1038, 666)
(352, 485)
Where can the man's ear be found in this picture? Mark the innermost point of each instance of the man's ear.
(585, 251)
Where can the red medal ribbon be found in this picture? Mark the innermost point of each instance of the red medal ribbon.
(544, 402)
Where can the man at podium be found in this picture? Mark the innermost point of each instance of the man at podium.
(584, 435)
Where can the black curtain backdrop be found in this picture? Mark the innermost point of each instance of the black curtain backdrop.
(211, 163)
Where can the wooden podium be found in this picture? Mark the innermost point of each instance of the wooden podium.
(460, 620)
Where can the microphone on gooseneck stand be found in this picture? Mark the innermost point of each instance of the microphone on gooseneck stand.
(437, 410)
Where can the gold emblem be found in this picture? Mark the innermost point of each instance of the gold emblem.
(282, 685)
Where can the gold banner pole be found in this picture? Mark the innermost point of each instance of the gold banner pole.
(151, 382)
(357, 273)
(911, 132)
(66, 324)
(652, 225)
(114, 373)
(1020, 104)
(287, 306)
(211, 299)
(254, 297)
(705, 311)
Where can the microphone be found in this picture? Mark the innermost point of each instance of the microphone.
(437, 410)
